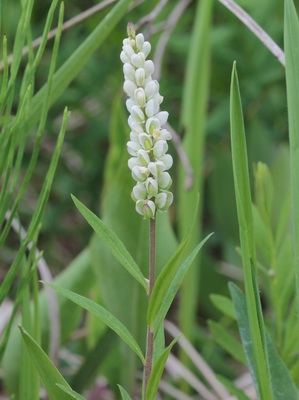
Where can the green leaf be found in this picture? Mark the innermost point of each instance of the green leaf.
(162, 283)
(158, 367)
(104, 315)
(224, 304)
(232, 388)
(241, 311)
(291, 38)
(246, 232)
(124, 393)
(227, 341)
(157, 312)
(117, 247)
(72, 393)
(46, 369)
(282, 385)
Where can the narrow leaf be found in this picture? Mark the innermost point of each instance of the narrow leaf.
(238, 393)
(71, 392)
(46, 369)
(101, 313)
(281, 381)
(227, 341)
(163, 281)
(224, 304)
(117, 247)
(157, 371)
(156, 315)
(291, 38)
(124, 393)
(246, 230)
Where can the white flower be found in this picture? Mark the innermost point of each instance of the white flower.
(148, 139)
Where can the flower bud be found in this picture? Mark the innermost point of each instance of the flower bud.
(146, 48)
(129, 71)
(133, 148)
(140, 76)
(163, 201)
(149, 68)
(138, 60)
(129, 87)
(145, 141)
(139, 192)
(152, 187)
(131, 30)
(164, 180)
(143, 157)
(139, 41)
(160, 148)
(151, 88)
(139, 96)
(137, 114)
(139, 173)
(146, 208)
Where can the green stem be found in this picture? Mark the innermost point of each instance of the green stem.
(150, 332)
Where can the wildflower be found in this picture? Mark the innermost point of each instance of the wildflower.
(148, 139)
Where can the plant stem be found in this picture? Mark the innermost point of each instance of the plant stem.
(150, 332)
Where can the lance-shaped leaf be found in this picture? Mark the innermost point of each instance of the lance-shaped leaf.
(104, 315)
(282, 385)
(71, 392)
(124, 393)
(155, 377)
(49, 374)
(116, 246)
(165, 291)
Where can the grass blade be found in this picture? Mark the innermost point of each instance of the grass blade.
(291, 38)
(243, 201)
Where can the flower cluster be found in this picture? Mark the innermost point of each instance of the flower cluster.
(148, 140)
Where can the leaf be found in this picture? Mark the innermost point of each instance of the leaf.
(157, 314)
(291, 38)
(72, 393)
(163, 281)
(46, 369)
(124, 393)
(227, 341)
(117, 248)
(158, 367)
(240, 395)
(246, 232)
(282, 385)
(224, 304)
(101, 313)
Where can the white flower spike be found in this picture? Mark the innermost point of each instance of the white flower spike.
(147, 145)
